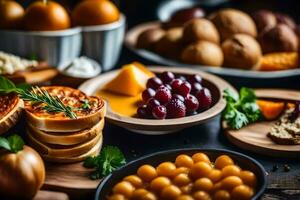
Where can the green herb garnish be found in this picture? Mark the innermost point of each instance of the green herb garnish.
(241, 109)
(85, 105)
(109, 159)
(13, 143)
(36, 95)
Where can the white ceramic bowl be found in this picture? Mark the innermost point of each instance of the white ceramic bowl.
(103, 43)
(54, 47)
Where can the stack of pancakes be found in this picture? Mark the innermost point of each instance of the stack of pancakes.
(59, 138)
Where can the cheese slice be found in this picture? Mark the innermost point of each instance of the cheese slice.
(93, 152)
(66, 138)
(61, 150)
(130, 81)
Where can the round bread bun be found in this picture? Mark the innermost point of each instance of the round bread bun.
(93, 152)
(241, 51)
(59, 122)
(62, 150)
(66, 138)
(200, 29)
(232, 21)
(203, 53)
(149, 37)
(14, 110)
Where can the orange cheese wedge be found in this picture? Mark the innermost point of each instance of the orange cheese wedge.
(271, 110)
(131, 80)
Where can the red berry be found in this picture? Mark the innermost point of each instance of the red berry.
(167, 77)
(175, 109)
(163, 95)
(195, 78)
(196, 87)
(178, 96)
(151, 103)
(159, 112)
(168, 86)
(205, 99)
(147, 94)
(143, 112)
(191, 103)
(184, 89)
(175, 84)
(154, 83)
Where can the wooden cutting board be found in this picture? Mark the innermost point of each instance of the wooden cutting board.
(49, 195)
(254, 136)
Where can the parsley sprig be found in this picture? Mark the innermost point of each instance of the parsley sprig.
(110, 159)
(36, 95)
(13, 143)
(241, 109)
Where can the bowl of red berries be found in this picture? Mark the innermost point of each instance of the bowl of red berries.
(173, 99)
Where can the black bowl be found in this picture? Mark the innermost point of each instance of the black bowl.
(245, 162)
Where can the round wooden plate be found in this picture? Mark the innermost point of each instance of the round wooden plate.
(131, 39)
(158, 127)
(254, 136)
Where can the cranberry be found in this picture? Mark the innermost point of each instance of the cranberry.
(205, 99)
(168, 86)
(151, 103)
(159, 112)
(191, 103)
(178, 96)
(195, 78)
(167, 77)
(154, 83)
(175, 109)
(196, 87)
(163, 95)
(175, 84)
(184, 89)
(143, 112)
(147, 94)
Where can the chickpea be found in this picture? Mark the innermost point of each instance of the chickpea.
(149, 196)
(231, 182)
(181, 170)
(134, 180)
(204, 184)
(217, 186)
(138, 194)
(248, 178)
(171, 192)
(181, 180)
(160, 183)
(184, 161)
(223, 161)
(125, 188)
(242, 192)
(201, 195)
(222, 195)
(185, 197)
(117, 197)
(187, 189)
(231, 170)
(198, 157)
(215, 175)
(147, 173)
(200, 169)
(166, 169)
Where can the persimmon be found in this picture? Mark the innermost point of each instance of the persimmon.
(11, 14)
(46, 16)
(270, 110)
(95, 12)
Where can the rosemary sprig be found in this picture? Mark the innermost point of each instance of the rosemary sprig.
(37, 95)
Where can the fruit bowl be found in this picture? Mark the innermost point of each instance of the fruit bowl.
(157, 127)
(241, 160)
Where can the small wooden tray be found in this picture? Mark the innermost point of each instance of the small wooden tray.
(254, 136)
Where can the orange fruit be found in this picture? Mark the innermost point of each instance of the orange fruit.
(95, 12)
(46, 16)
(11, 14)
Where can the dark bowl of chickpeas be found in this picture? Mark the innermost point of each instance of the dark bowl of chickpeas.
(186, 174)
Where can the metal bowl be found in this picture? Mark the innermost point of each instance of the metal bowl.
(245, 162)
(54, 47)
(103, 43)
